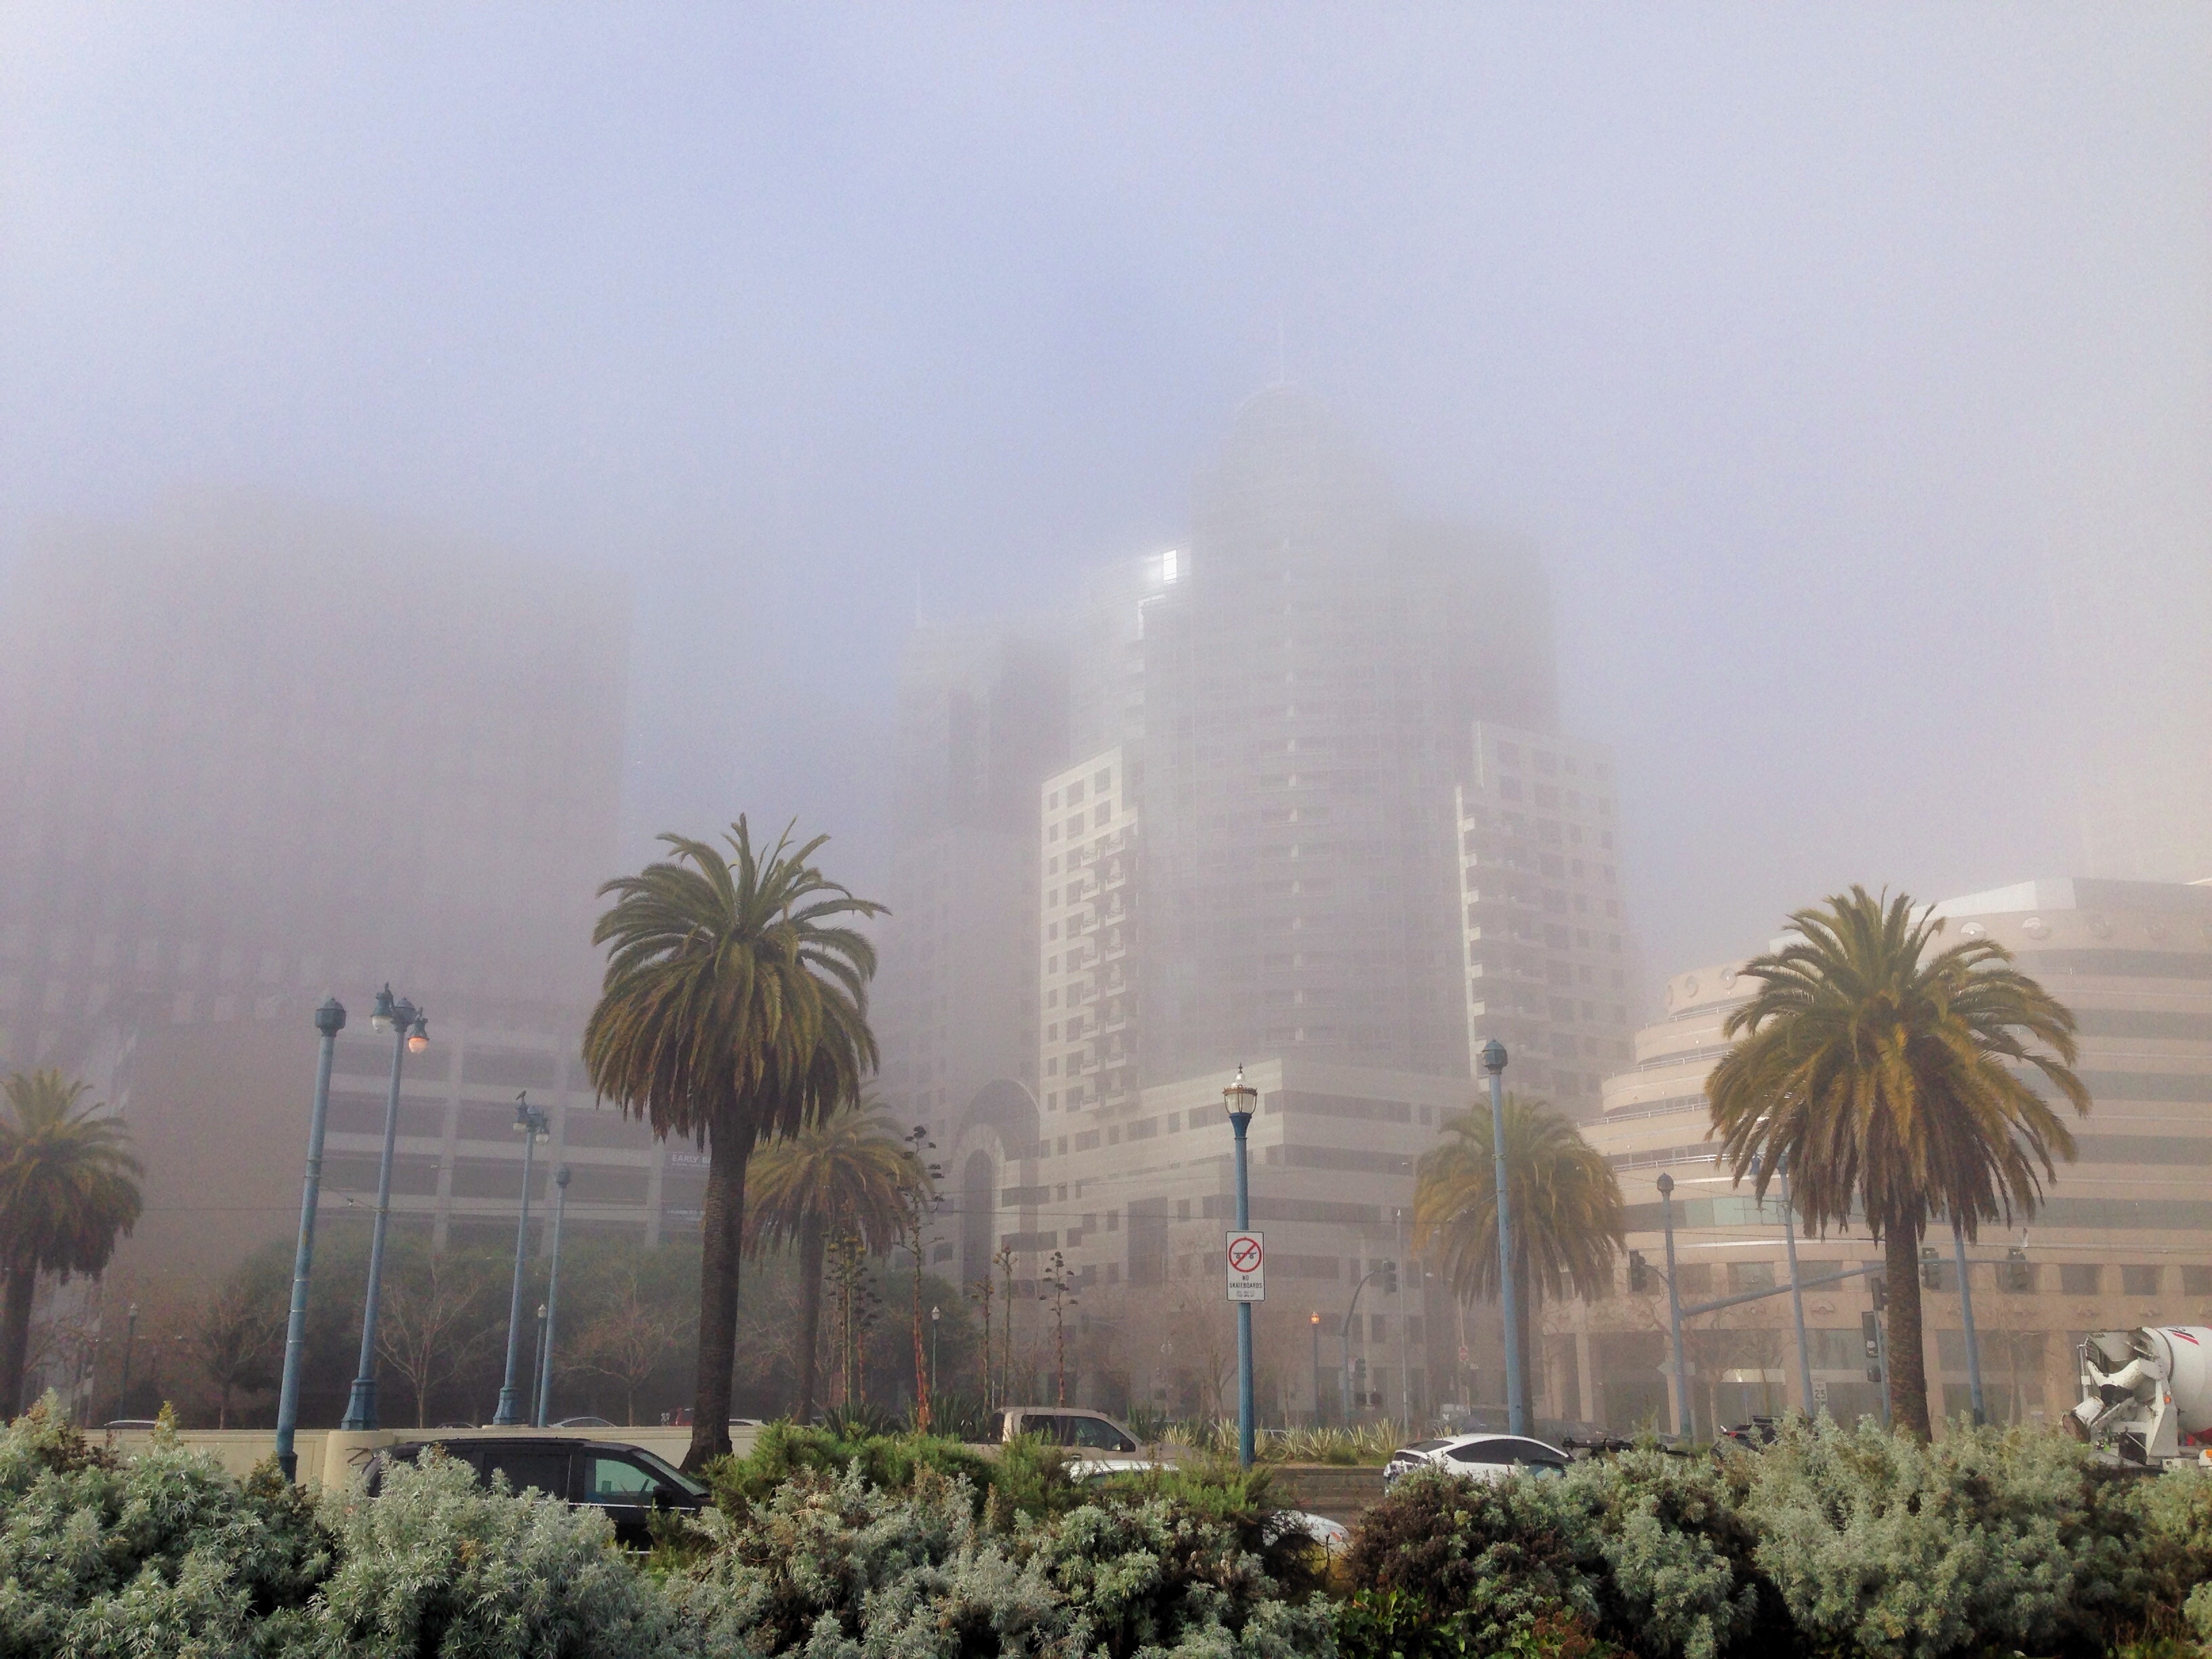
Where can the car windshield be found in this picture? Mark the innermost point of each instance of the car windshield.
(668, 1472)
(1424, 1446)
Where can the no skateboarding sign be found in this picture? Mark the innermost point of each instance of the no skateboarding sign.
(1248, 1270)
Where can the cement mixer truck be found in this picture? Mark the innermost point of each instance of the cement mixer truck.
(2147, 1393)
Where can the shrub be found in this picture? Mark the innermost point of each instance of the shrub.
(1473, 1567)
(839, 1566)
(887, 1460)
(1884, 1547)
(164, 1553)
(435, 1564)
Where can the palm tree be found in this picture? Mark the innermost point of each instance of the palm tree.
(1889, 1075)
(847, 1172)
(733, 1009)
(67, 1192)
(1565, 1205)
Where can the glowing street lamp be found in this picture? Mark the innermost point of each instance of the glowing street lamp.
(410, 1035)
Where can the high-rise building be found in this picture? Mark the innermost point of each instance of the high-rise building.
(257, 754)
(982, 717)
(254, 754)
(1548, 965)
(1295, 696)
(2125, 1237)
(1092, 870)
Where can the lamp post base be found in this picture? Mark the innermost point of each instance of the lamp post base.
(506, 1417)
(361, 1406)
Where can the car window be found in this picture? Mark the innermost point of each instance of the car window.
(611, 1479)
(1427, 1445)
(1480, 1451)
(529, 1471)
(670, 1474)
(1098, 1434)
(1535, 1451)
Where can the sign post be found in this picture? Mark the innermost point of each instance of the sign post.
(1246, 1254)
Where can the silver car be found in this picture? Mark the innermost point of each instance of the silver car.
(1476, 1457)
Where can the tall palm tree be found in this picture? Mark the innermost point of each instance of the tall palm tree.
(734, 1009)
(848, 1172)
(1890, 1076)
(1564, 1202)
(67, 1190)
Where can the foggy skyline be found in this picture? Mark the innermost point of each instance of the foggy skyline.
(1829, 358)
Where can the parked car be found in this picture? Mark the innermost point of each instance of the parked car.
(1476, 1457)
(584, 1422)
(1069, 1425)
(627, 1483)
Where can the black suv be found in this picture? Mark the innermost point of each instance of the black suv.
(627, 1484)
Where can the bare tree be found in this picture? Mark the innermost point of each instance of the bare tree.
(431, 1322)
(1052, 1287)
(238, 1336)
(627, 1339)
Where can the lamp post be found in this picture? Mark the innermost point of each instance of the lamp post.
(552, 1299)
(1674, 1310)
(935, 1314)
(1516, 1403)
(130, 1341)
(530, 1124)
(1796, 1291)
(1313, 1320)
(410, 1033)
(1966, 1318)
(1239, 1099)
(330, 1020)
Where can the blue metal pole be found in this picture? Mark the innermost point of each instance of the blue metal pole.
(330, 1020)
(1245, 1434)
(1796, 1292)
(1516, 1402)
(1966, 1315)
(510, 1405)
(552, 1295)
(1682, 1415)
(361, 1406)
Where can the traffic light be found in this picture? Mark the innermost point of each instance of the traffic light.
(1871, 1332)
(1931, 1268)
(1639, 1273)
(2015, 1275)
(1878, 1287)
(1389, 1278)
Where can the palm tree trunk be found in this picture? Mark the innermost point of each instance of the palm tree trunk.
(15, 1339)
(813, 1242)
(1908, 1366)
(722, 1224)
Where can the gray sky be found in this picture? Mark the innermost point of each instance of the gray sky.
(1808, 342)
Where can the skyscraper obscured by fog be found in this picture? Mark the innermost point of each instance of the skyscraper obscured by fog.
(982, 715)
(1293, 696)
(255, 754)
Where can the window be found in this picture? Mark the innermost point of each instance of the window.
(1103, 780)
(617, 1481)
(2196, 1281)
(1097, 1433)
(2078, 1277)
(2139, 1281)
(529, 1471)
(1751, 1275)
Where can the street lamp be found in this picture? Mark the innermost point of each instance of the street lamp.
(934, 1316)
(410, 1033)
(1314, 1320)
(1674, 1310)
(551, 1311)
(530, 1124)
(1966, 1318)
(1240, 1100)
(1516, 1404)
(330, 1020)
(130, 1341)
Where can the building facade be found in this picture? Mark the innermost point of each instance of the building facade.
(2123, 1237)
(1549, 969)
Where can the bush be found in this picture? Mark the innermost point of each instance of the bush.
(162, 1554)
(436, 1564)
(1883, 1546)
(887, 1460)
(839, 1565)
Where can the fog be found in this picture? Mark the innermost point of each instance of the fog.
(1848, 369)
